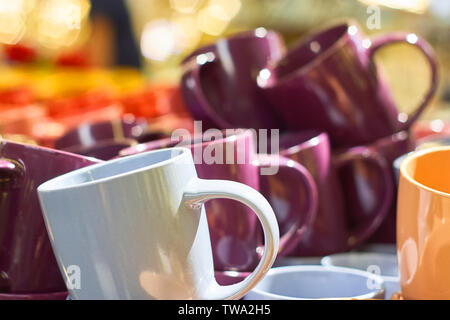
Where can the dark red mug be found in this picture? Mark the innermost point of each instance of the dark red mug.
(332, 231)
(330, 82)
(363, 185)
(219, 81)
(235, 234)
(27, 262)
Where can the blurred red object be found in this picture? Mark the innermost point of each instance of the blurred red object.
(20, 53)
(20, 119)
(154, 101)
(18, 96)
(73, 59)
(67, 106)
(424, 128)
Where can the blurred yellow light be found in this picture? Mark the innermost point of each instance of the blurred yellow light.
(59, 21)
(12, 21)
(184, 6)
(230, 8)
(158, 40)
(417, 6)
(212, 20)
(188, 34)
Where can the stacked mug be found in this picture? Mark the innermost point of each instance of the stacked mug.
(337, 121)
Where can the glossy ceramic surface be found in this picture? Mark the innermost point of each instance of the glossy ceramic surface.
(235, 233)
(423, 244)
(104, 149)
(330, 82)
(364, 185)
(219, 83)
(333, 230)
(27, 263)
(141, 228)
(88, 134)
(317, 282)
(384, 265)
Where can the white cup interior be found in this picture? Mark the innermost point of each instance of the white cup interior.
(317, 282)
(385, 264)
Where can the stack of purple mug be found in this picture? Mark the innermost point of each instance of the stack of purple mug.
(337, 121)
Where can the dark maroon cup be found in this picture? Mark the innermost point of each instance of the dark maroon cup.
(88, 134)
(330, 82)
(236, 236)
(35, 296)
(27, 262)
(219, 81)
(103, 149)
(332, 230)
(363, 185)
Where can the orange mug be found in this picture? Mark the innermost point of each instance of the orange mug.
(423, 224)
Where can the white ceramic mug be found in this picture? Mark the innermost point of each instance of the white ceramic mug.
(317, 282)
(135, 228)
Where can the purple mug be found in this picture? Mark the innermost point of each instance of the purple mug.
(331, 83)
(235, 234)
(332, 230)
(35, 296)
(88, 134)
(27, 263)
(103, 149)
(363, 185)
(219, 81)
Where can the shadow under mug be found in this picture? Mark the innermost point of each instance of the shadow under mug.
(334, 229)
(235, 234)
(27, 262)
(331, 83)
(141, 229)
(423, 242)
(219, 81)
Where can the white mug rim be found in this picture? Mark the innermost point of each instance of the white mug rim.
(56, 184)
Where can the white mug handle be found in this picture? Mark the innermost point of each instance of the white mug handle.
(199, 191)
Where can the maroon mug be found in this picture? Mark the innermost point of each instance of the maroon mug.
(27, 263)
(331, 83)
(35, 296)
(332, 231)
(363, 186)
(103, 149)
(219, 81)
(235, 233)
(88, 134)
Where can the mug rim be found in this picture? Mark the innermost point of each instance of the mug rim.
(243, 35)
(340, 41)
(413, 156)
(54, 185)
(50, 151)
(161, 144)
(320, 268)
(328, 260)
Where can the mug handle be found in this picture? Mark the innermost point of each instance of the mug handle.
(290, 239)
(412, 39)
(363, 231)
(199, 191)
(12, 169)
(191, 85)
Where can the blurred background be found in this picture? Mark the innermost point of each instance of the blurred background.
(55, 50)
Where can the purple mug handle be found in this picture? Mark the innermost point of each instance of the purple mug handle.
(363, 231)
(427, 50)
(192, 90)
(290, 239)
(11, 172)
